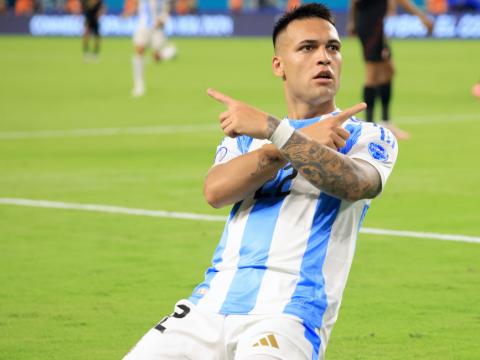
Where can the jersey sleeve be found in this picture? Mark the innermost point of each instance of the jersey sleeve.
(226, 151)
(377, 146)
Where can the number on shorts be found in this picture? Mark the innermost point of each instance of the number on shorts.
(179, 315)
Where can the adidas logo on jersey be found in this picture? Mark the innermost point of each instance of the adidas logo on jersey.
(268, 340)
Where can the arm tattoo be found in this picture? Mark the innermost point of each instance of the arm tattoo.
(329, 170)
(272, 124)
(267, 163)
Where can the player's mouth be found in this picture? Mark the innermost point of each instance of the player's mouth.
(324, 77)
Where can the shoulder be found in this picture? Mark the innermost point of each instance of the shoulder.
(372, 136)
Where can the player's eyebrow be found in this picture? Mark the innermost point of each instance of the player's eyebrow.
(308, 42)
(313, 42)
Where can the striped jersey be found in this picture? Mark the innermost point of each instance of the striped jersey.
(150, 10)
(289, 247)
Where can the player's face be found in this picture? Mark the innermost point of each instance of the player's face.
(308, 59)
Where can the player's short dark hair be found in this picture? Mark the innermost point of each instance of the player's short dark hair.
(313, 10)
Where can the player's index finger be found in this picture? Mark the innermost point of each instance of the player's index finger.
(217, 95)
(348, 113)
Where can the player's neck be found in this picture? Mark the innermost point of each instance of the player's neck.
(307, 111)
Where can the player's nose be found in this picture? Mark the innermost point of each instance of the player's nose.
(323, 57)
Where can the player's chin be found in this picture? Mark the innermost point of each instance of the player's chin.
(324, 94)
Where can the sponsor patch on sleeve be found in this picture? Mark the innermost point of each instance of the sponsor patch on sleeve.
(378, 152)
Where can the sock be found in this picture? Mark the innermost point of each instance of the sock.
(385, 93)
(96, 48)
(369, 94)
(85, 47)
(138, 65)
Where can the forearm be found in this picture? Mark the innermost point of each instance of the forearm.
(331, 171)
(239, 178)
(352, 11)
(326, 169)
(410, 7)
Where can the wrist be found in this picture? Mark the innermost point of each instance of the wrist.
(282, 133)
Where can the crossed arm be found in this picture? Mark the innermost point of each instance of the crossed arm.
(331, 171)
(312, 151)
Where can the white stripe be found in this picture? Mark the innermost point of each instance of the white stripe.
(220, 284)
(437, 118)
(171, 129)
(422, 235)
(190, 216)
(289, 241)
(146, 130)
(338, 260)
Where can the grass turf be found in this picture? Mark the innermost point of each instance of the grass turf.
(86, 285)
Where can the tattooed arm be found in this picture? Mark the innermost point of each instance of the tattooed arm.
(331, 171)
(239, 178)
(326, 169)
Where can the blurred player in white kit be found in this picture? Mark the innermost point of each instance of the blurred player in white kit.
(152, 17)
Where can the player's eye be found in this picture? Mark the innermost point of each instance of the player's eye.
(306, 48)
(333, 47)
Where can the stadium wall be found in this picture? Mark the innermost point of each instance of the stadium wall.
(452, 25)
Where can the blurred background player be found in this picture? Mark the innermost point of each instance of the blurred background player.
(476, 90)
(152, 17)
(92, 9)
(366, 19)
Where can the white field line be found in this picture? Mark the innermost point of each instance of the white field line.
(437, 119)
(109, 209)
(190, 216)
(144, 130)
(172, 129)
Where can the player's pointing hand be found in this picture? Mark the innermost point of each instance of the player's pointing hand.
(329, 131)
(348, 113)
(243, 119)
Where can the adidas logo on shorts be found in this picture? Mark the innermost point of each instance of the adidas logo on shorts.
(268, 340)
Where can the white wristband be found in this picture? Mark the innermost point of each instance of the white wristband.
(282, 133)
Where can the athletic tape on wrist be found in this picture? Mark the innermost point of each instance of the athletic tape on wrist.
(282, 133)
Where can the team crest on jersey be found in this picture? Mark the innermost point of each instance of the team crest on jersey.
(378, 152)
(221, 153)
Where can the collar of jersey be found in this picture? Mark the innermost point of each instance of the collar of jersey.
(301, 123)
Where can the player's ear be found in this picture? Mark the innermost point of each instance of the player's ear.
(277, 66)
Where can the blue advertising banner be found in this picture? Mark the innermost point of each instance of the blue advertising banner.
(455, 25)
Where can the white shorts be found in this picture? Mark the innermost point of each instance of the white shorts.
(191, 333)
(149, 37)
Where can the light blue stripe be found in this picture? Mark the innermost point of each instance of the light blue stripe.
(355, 132)
(364, 212)
(243, 143)
(299, 124)
(200, 291)
(314, 339)
(256, 241)
(309, 300)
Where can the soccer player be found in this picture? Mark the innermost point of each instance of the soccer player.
(366, 19)
(152, 16)
(92, 10)
(300, 189)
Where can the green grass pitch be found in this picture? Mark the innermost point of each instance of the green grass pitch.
(81, 285)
